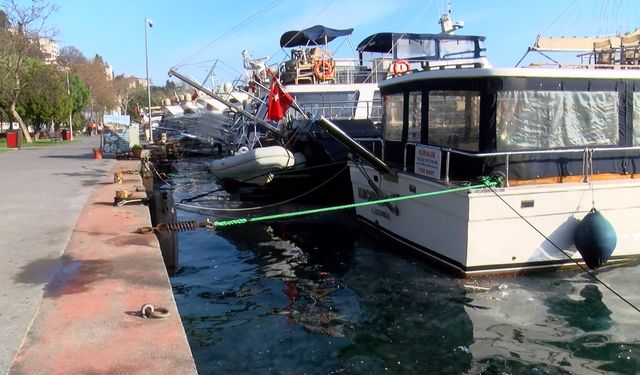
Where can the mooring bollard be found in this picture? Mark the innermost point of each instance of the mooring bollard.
(163, 210)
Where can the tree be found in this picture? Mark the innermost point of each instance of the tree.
(18, 42)
(125, 88)
(44, 98)
(4, 20)
(102, 94)
(80, 96)
(139, 100)
(71, 56)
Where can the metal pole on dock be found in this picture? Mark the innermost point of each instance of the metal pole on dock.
(146, 60)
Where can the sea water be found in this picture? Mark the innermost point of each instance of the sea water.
(325, 295)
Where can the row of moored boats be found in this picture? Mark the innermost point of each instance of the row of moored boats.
(503, 170)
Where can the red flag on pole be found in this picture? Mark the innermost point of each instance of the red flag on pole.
(279, 101)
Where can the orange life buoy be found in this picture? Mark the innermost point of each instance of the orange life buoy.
(401, 67)
(322, 69)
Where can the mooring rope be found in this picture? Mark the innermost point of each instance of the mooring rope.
(486, 182)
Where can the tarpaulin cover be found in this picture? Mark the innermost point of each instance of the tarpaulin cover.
(317, 34)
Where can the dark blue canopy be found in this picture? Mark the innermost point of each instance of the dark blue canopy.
(317, 34)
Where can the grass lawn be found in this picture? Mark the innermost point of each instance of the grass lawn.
(36, 143)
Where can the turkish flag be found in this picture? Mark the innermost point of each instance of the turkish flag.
(279, 101)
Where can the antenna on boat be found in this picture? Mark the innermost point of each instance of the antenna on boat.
(446, 23)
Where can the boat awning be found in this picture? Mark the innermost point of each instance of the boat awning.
(569, 44)
(316, 35)
(578, 44)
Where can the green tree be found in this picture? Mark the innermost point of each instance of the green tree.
(80, 96)
(44, 98)
(19, 41)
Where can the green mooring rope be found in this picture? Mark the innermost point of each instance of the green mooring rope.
(486, 182)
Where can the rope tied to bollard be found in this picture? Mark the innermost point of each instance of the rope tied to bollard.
(179, 226)
(148, 311)
(183, 226)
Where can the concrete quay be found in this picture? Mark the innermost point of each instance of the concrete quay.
(75, 274)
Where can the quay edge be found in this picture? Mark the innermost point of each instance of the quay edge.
(88, 321)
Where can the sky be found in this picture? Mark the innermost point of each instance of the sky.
(192, 35)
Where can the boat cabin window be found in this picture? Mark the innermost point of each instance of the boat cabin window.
(329, 104)
(392, 119)
(636, 118)
(376, 107)
(454, 119)
(556, 119)
(407, 48)
(415, 117)
(457, 49)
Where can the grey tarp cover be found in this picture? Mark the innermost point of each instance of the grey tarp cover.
(317, 34)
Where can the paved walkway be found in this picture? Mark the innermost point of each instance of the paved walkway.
(75, 272)
(43, 190)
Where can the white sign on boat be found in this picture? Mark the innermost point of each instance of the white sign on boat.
(428, 161)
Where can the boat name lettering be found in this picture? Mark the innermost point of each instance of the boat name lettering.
(427, 153)
(366, 194)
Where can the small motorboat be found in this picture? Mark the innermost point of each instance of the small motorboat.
(253, 166)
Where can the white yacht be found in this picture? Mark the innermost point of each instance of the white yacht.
(564, 141)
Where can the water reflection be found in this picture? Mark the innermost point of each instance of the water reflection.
(588, 313)
(549, 324)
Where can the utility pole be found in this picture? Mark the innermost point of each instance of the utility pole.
(146, 60)
(70, 112)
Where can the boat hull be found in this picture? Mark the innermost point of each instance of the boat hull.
(483, 231)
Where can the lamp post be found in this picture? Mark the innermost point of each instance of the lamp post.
(70, 113)
(148, 22)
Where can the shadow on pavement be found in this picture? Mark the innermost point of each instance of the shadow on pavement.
(81, 156)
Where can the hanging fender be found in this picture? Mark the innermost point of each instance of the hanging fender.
(595, 238)
(322, 70)
(401, 67)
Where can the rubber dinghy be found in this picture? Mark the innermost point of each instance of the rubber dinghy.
(253, 166)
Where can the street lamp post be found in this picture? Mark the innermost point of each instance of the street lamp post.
(146, 60)
(70, 113)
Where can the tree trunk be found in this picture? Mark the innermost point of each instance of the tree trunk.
(25, 130)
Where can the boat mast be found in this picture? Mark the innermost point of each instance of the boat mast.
(446, 22)
(200, 87)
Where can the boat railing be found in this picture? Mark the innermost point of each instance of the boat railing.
(351, 71)
(343, 109)
(583, 66)
(342, 71)
(507, 154)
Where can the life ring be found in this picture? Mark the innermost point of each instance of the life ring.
(322, 70)
(400, 67)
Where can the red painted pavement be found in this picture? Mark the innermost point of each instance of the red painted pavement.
(88, 321)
